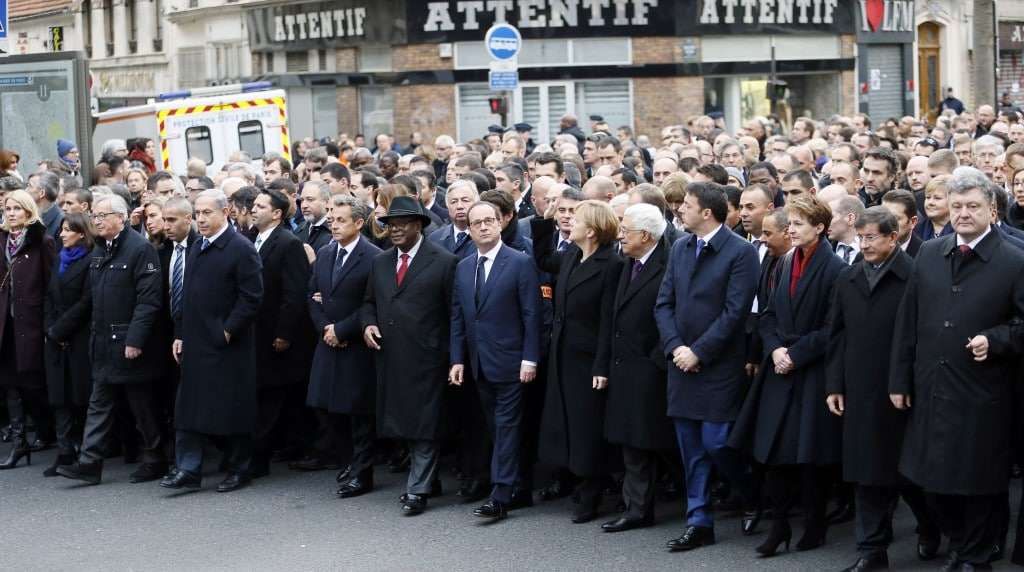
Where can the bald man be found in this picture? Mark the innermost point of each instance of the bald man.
(917, 173)
(599, 188)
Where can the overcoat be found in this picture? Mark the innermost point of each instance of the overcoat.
(958, 438)
(283, 313)
(222, 292)
(635, 415)
(342, 380)
(68, 372)
(23, 285)
(704, 304)
(860, 333)
(572, 422)
(415, 323)
(784, 419)
(126, 302)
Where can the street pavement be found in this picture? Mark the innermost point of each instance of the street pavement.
(292, 521)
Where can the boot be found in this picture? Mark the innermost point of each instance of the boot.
(63, 458)
(18, 450)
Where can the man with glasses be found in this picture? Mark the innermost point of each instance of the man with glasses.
(496, 334)
(125, 304)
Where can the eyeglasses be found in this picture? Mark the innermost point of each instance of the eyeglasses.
(101, 216)
(488, 221)
(626, 230)
(870, 237)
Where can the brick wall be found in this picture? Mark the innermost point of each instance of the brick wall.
(657, 50)
(429, 109)
(419, 57)
(345, 59)
(347, 99)
(658, 102)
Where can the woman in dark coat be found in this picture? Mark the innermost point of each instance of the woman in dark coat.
(66, 353)
(572, 424)
(785, 420)
(26, 260)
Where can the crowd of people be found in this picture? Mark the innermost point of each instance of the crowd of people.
(759, 323)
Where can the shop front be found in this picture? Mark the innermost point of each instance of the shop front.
(885, 66)
(1011, 61)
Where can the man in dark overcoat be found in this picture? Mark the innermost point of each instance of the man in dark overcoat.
(867, 296)
(342, 380)
(215, 345)
(635, 415)
(958, 338)
(283, 336)
(125, 284)
(406, 318)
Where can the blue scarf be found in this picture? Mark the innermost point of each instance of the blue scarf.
(69, 255)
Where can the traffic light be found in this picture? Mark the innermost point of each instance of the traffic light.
(499, 105)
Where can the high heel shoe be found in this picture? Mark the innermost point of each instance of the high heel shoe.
(19, 450)
(813, 537)
(780, 534)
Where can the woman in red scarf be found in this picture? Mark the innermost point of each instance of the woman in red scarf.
(142, 150)
(785, 422)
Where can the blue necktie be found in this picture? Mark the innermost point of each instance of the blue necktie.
(204, 245)
(481, 278)
(177, 279)
(563, 245)
(339, 262)
(700, 246)
(460, 238)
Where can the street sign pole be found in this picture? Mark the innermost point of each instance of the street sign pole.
(503, 43)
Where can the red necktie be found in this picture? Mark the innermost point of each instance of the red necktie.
(403, 268)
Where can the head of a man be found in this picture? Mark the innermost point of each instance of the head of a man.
(109, 215)
(774, 230)
(177, 216)
(347, 217)
(316, 196)
(484, 225)
(878, 232)
(461, 195)
(211, 212)
(755, 202)
(845, 212)
(903, 206)
(642, 227)
(704, 207)
(917, 173)
(878, 172)
(971, 200)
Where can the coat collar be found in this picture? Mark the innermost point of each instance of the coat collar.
(984, 250)
(651, 269)
(600, 256)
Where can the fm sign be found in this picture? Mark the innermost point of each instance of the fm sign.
(503, 42)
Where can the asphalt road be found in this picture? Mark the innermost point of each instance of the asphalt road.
(292, 521)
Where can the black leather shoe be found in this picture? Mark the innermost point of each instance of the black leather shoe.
(521, 498)
(473, 491)
(558, 489)
(693, 537)
(148, 472)
(491, 509)
(344, 474)
(413, 504)
(181, 479)
(876, 561)
(623, 524)
(928, 547)
(89, 472)
(356, 486)
(749, 522)
(233, 482)
(312, 464)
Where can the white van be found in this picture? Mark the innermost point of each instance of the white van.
(208, 123)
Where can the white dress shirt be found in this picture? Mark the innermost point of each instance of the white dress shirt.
(488, 258)
(974, 243)
(174, 258)
(262, 237)
(412, 254)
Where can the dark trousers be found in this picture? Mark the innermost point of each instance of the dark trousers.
(502, 405)
(189, 450)
(271, 406)
(638, 484)
(971, 522)
(474, 443)
(875, 508)
(808, 483)
(31, 401)
(330, 438)
(423, 457)
(69, 420)
(362, 429)
(100, 418)
(702, 444)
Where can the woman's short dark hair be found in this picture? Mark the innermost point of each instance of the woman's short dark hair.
(81, 223)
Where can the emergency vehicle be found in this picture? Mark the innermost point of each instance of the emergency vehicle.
(209, 123)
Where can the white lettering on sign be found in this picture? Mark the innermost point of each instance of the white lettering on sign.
(468, 14)
(321, 25)
(886, 15)
(751, 12)
(1018, 34)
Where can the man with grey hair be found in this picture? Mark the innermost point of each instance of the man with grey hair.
(985, 151)
(315, 230)
(44, 188)
(967, 286)
(125, 304)
(845, 212)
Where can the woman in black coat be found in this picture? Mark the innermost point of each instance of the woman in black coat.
(26, 260)
(66, 353)
(785, 420)
(572, 424)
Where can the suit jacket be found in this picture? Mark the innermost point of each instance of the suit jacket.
(915, 245)
(704, 304)
(283, 312)
(502, 329)
(526, 207)
(341, 380)
(316, 236)
(222, 293)
(441, 212)
(414, 320)
(445, 237)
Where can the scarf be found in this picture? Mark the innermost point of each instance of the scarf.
(800, 263)
(68, 256)
(14, 241)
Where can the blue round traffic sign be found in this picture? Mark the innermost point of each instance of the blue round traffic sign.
(503, 41)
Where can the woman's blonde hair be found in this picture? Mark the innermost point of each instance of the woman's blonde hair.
(25, 201)
(599, 217)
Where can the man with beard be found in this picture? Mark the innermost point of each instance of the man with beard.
(878, 173)
(314, 231)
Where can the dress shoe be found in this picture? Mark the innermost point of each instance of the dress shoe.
(62, 459)
(556, 490)
(312, 464)
(181, 479)
(148, 472)
(42, 445)
(693, 537)
(359, 485)
(19, 450)
(233, 482)
(623, 524)
(928, 547)
(413, 504)
(876, 561)
(749, 522)
(843, 513)
(344, 474)
(491, 509)
(473, 491)
(521, 498)
(88, 472)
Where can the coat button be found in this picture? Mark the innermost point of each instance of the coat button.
(942, 361)
(391, 322)
(618, 361)
(947, 324)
